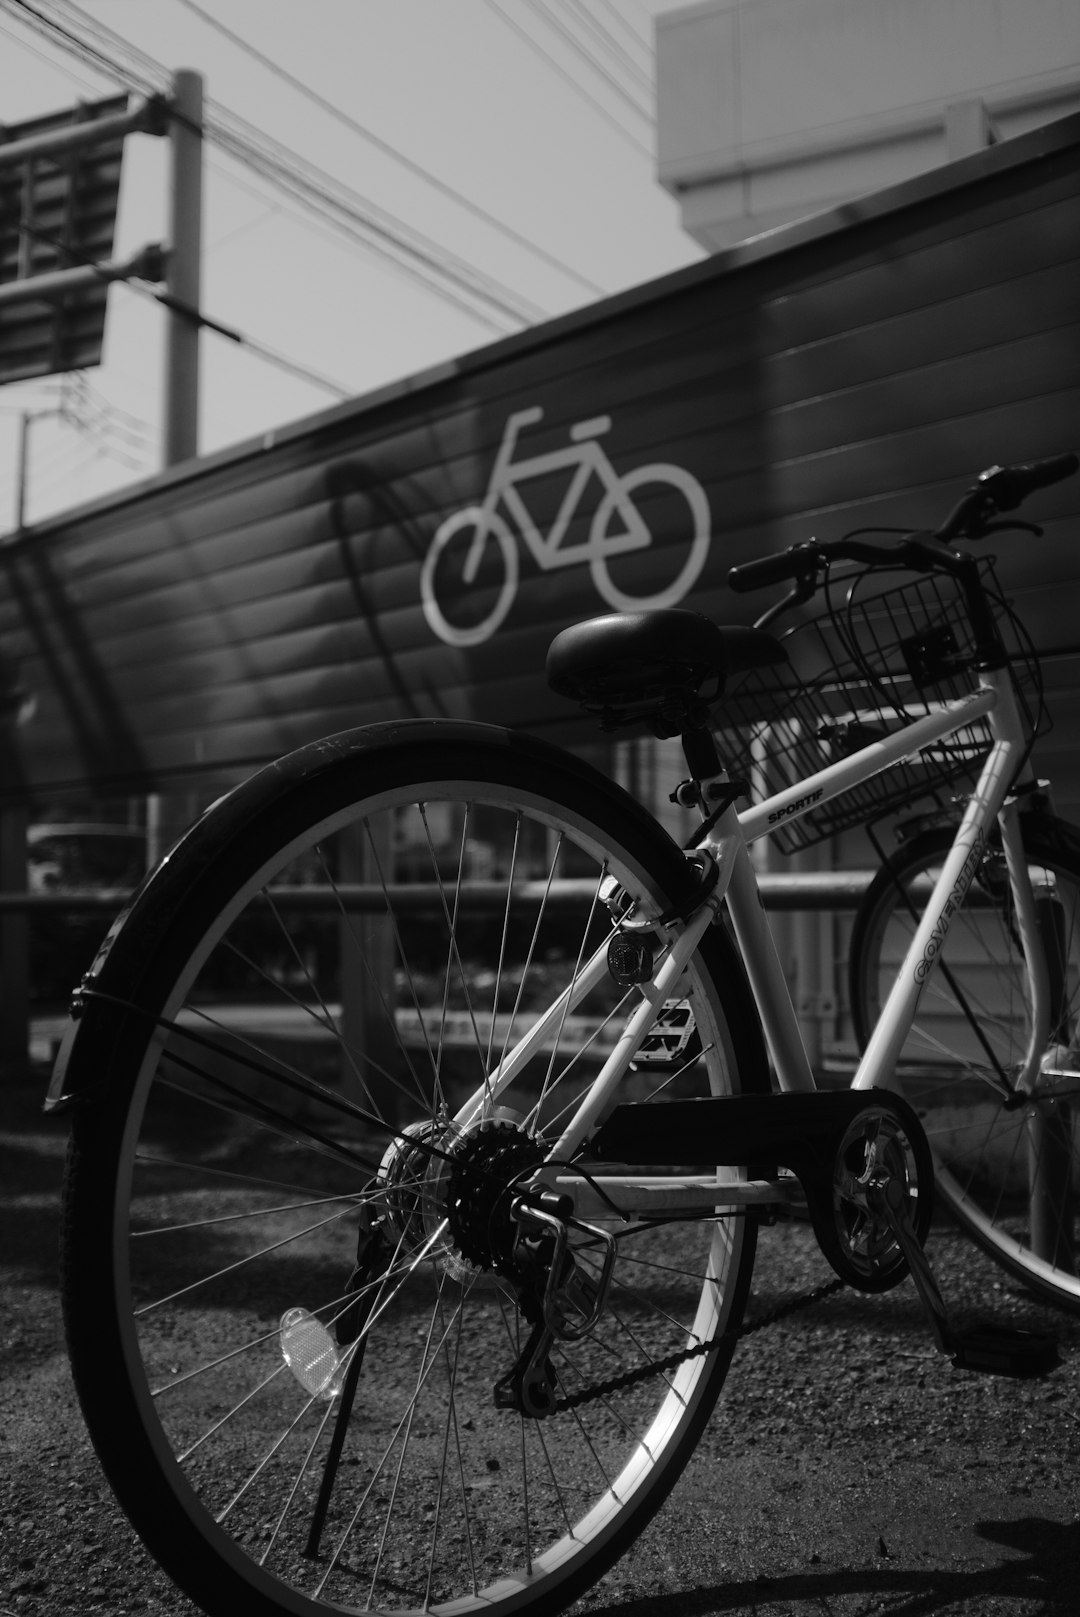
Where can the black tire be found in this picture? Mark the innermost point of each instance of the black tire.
(232, 1141)
(1009, 1171)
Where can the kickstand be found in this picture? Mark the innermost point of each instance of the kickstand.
(333, 1458)
(1002, 1350)
(352, 1326)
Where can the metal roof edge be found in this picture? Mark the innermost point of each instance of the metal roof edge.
(1002, 157)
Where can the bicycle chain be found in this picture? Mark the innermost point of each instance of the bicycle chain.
(645, 1372)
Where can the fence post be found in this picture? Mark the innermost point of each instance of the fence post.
(14, 944)
(370, 1057)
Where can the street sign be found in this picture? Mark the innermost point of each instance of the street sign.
(59, 184)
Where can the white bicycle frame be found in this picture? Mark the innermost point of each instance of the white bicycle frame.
(728, 842)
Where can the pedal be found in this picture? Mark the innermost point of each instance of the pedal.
(1004, 1350)
(1001, 1350)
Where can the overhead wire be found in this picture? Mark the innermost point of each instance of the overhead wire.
(406, 249)
(581, 90)
(54, 30)
(388, 149)
(42, 56)
(57, 458)
(610, 44)
(198, 317)
(272, 210)
(547, 13)
(95, 422)
(257, 190)
(81, 383)
(618, 12)
(318, 193)
(326, 197)
(91, 411)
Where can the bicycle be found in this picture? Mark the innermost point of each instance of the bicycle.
(489, 532)
(422, 1106)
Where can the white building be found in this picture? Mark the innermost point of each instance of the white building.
(770, 110)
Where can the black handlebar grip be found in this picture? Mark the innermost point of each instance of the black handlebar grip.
(1009, 486)
(795, 562)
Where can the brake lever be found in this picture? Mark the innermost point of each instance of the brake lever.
(1007, 527)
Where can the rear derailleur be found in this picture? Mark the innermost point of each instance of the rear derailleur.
(559, 1296)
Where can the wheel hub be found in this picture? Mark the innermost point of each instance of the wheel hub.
(488, 1164)
(432, 1177)
(410, 1177)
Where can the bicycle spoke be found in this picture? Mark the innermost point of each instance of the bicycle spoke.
(323, 1281)
(1006, 1160)
(250, 1213)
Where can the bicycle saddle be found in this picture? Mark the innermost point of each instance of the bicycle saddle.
(664, 667)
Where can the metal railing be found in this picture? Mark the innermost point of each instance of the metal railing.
(784, 892)
(780, 890)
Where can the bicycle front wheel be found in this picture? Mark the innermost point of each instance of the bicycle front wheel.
(1007, 1166)
(294, 1301)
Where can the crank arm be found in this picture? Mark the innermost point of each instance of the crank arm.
(996, 1349)
(887, 1198)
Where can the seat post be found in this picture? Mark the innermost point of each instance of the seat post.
(699, 750)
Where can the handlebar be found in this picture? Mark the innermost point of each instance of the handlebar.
(1003, 488)
(998, 489)
(796, 562)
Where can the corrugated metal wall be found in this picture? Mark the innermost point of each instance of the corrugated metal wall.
(856, 368)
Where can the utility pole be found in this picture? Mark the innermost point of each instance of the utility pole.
(183, 267)
(46, 160)
(181, 413)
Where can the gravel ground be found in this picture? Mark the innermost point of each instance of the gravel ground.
(849, 1469)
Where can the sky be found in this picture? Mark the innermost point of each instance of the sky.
(469, 112)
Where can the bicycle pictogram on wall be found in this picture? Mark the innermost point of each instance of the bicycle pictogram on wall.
(492, 530)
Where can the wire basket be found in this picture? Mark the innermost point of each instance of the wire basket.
(859, 669)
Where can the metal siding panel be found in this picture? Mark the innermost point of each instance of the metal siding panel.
(227, 613)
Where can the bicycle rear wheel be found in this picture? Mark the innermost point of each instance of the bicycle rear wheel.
(285, 1225)
(1007, 1167)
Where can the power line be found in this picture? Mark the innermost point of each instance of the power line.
(330, 199)
(87, 53)
(82, 386)
(91, 411)
(178, 306)
(25, 45)
(549, 16)
(619, 14)
(273, 356)
(575, 84)
(404, 248)
(610, 44)
(388, 149)
(151, 78)
(271, 210)
(328, 230)
(320, 193)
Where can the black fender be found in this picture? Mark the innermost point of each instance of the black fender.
(129, 959)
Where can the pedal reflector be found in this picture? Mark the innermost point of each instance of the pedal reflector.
(311, 1353)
